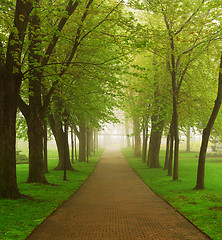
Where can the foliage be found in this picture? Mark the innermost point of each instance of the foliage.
(21, 158)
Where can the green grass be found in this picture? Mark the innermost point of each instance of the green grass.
(203, 207)
(20, 217)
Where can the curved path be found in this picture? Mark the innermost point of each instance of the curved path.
(115, 204)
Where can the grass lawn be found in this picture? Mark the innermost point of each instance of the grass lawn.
(203, 207)
(20, 217)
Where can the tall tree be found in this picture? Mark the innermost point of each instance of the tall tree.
(34, 111)
(207, 131)
(10, 82)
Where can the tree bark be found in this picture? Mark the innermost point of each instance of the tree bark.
(57, 130)
(127, 129)
(137, 147)
(87, 144)
(175, 111)
(94, 141)
(75, 144)
(188, 140)
(155, 141)
(206, 133)
(8, 105)
(167, 152)
(90, 141)
(170, 164)
(133, 143)
(96, 136)
(34, 118)
(45, 148)
(145, 138)
(36, 163)
(82, 142)
(72, 145)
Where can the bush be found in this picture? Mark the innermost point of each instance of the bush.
(21, 158)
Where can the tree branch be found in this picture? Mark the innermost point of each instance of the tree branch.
(24, 108)
(189, 19)
(101, 21)
(70, 9)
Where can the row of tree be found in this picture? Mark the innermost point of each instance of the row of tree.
(176, 78)
(57, 57)
(75, 57)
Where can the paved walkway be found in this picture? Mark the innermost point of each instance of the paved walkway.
(115, 204)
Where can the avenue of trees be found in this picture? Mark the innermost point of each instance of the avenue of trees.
(74, 62)
(175, 81)
(58, 59)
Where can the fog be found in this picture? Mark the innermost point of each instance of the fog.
(115, 135)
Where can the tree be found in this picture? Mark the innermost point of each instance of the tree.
(61, 142)
(33, 110)
(207, 131)
(10, 82)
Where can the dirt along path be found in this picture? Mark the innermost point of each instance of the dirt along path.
(115, 204)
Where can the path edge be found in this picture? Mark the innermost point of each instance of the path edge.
(77, 190)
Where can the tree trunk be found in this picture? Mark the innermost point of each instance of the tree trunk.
(144, 148)
(36, 162)
(90, 141)
(176, 159)
(58, 133)
(155, 141)
(170, 164)
(94, 141)
(176, 139)
(127, 132)
(72, 145)
(75, 144)
(87, 144)
(167, 152)
(8, 109)
(137, 149)
(133, 143)
(175, 89)
(188, 140)
(96, 136)
(206, 133)
(66, 154)
(82, 142)
(171, 144)
(45, 149)
(145, 138)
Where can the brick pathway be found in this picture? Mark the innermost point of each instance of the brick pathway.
(115, 204)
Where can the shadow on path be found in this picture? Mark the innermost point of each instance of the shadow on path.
(115, 204)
